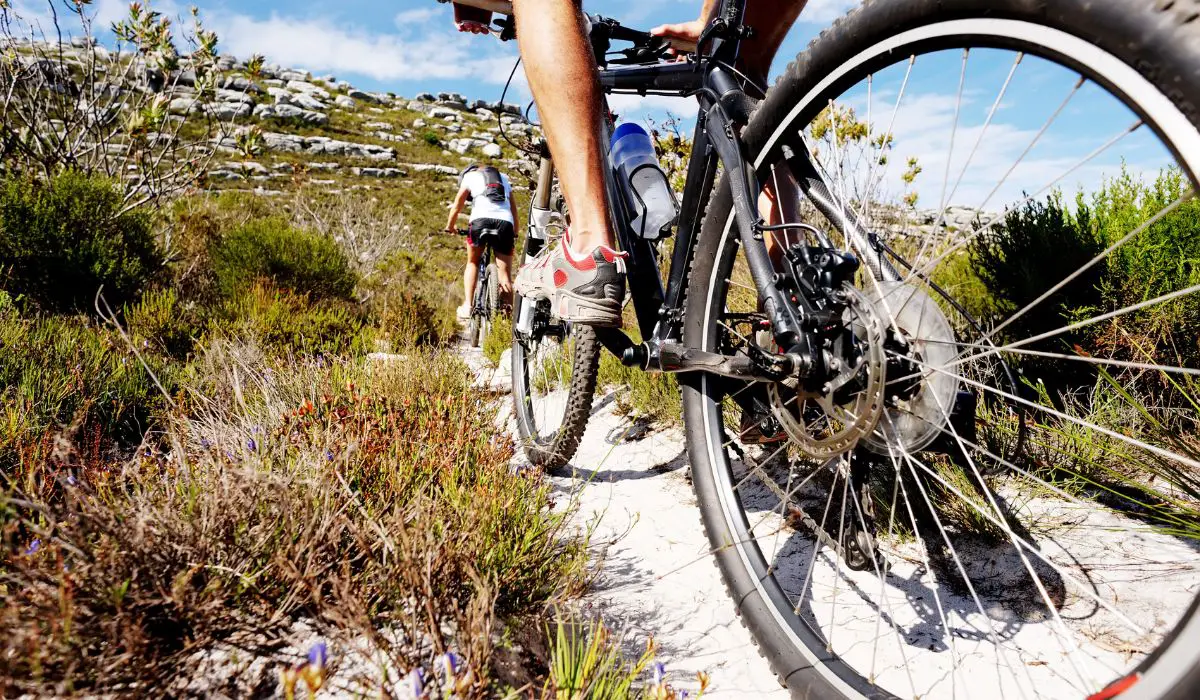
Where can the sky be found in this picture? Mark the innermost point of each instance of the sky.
(411, 46)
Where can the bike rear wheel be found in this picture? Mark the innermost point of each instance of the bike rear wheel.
(991, 536)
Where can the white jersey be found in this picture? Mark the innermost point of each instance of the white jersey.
(481, 206)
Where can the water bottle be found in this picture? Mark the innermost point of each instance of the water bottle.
(651, 200)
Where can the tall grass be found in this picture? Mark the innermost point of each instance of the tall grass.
(359, 497)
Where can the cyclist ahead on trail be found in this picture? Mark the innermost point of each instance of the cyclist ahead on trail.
(493, 223)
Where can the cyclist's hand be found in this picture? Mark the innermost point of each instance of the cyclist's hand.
(472, 19)
(684, 31)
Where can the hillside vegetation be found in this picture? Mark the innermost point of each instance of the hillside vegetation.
(207, 485)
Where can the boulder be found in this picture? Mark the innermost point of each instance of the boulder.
(229, 110)
(307, 101)
(290, 75)
(272, 82)
(382, 126)
(225, 175)
(183, 77)
(263, 111)
(491, 150)
(282, 97)
(322, 166)
(417, 106)
(443, 113)
(418, 123)
(308, 88)
(485, 114)
(304, 115)
(345, 102)
(289, 143)
(185, 105)
(366, 96)
(432, 167)
(378, 172)
(425, 97)
(241, 84)
(224, 95)
(450, 97)
(343, 86)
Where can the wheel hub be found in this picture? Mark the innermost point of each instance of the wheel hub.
(829, 422)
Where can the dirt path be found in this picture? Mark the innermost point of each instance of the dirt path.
(657, 576)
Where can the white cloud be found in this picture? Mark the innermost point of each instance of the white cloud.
(418, 16)
(323, 45)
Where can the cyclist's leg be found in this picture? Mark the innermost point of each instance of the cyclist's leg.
(471, 274)
(503, 246)
(504, 276)
(562, 75)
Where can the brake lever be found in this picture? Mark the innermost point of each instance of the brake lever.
(507, 27)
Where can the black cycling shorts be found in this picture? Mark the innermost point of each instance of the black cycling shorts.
(497, 233)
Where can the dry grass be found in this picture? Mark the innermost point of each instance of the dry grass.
(359, 498)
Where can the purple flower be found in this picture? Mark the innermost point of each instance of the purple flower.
(71, 480)
(416, 682)
(329, 455)
(257, 429)
(448, 664)
(33, 547)
(318, 654)
(205, 443)
(659, 672)
(252, 444)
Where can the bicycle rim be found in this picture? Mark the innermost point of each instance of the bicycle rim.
(1010, 542)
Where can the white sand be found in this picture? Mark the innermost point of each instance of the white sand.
(658, 578)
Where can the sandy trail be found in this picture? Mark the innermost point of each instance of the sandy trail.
(657, 576)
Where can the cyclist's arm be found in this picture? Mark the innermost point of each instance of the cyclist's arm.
(688, 31)
(456, 208)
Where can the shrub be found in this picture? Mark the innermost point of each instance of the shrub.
(293, 259)
(68, 374)
(1043, 242)
(430, 137)
(320, 491)
(284, 322)
(160, 321)
(409, 320)
(63, 240)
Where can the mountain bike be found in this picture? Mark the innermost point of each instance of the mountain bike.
(938, 454)
(486, 303)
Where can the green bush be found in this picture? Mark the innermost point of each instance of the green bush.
(430, 137)
(286, 323)
(271, 249)
(63, 240)
(161, 321)
(408, 320)
(1042, 242)
(66, 373)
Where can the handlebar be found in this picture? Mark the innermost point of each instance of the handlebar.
(617, 31)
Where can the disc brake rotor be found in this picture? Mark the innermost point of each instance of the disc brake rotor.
(914, 421)
(828, 424)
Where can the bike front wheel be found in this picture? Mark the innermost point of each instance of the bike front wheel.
(1020, 517)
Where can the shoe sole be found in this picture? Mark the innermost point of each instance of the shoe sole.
(589, 312)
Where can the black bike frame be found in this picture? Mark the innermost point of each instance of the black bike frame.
(724, 108)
